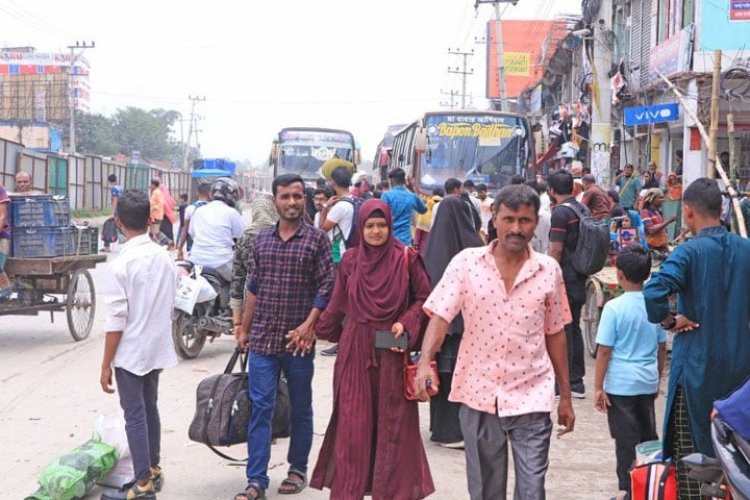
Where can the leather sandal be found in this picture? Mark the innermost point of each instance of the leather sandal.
(259, 494)
(291, 486)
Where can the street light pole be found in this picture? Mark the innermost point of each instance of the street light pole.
(71, 97)
(503, 91)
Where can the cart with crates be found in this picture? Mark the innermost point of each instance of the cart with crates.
(50, 262)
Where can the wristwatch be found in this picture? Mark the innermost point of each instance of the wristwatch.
(670, 322)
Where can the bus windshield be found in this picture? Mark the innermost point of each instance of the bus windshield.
(303, 152)
(484, 148)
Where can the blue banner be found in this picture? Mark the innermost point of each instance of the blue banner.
(658, 113)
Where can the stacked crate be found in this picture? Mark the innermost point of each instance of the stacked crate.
(40, 226)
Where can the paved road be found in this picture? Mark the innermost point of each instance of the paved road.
(50, 399)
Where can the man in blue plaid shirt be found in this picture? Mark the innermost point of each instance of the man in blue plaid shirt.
(289, 287)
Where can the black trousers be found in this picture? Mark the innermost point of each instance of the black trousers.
(631, 421)
(575, 345)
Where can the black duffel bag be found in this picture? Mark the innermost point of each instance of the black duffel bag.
(223, 408)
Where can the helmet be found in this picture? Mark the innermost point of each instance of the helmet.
(226, 190)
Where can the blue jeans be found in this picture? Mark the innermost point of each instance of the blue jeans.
(263, 372)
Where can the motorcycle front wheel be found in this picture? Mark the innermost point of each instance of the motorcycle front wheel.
(187, 335)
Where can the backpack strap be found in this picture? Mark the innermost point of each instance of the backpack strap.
(581, 214)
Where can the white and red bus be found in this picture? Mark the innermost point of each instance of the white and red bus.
(303, 150)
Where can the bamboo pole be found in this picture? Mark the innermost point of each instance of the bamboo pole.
(714, 127)
(732, 150)
(730, 189)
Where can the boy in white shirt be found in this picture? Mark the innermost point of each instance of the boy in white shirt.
(138, 342)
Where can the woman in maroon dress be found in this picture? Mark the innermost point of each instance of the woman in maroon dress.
(373, 445)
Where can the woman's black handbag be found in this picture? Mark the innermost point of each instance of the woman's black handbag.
(223, 409)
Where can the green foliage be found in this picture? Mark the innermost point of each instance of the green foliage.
(95, 135)
(129, 129)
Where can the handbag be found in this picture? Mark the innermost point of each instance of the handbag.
(223, 408)
(410, 369)
(654, 481)
(410, 375)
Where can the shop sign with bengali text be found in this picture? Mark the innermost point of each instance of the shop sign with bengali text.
(739, 10)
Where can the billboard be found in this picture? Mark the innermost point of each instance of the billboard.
(524, 47)
(739, 10)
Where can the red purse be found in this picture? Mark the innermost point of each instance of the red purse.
(410, 370)
(410, 375)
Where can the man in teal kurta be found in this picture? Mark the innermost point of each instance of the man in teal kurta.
(711, 350)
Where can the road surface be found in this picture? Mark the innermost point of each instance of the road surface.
(50, 399)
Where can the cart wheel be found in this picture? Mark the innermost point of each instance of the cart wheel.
(590, 318)
(80, 304)
(187, 335)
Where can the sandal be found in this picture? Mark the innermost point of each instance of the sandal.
(291, 486)
(259, 494)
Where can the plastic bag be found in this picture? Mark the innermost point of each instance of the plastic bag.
(111, 430)
(71, 475)
(187, 294)
(207, 292)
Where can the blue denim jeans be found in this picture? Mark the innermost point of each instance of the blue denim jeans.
(263, 371)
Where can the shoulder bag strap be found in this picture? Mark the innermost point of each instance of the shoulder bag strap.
(227, 457)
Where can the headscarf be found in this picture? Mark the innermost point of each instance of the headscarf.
(264, 213)
(378, 286)
(651, 194)
(452, 232)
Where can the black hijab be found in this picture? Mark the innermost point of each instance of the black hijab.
(452, 232)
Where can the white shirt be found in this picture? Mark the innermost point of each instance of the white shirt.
(140, 288)
(540, 243)
(485, 211)
(341, 214)
(214, 228)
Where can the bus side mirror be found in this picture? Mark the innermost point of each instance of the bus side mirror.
(275, 152)
(357, 157)
(420, 140)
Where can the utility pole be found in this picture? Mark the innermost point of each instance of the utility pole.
(71, 97)
(452, 95)
(186, 143)
(601, 129)
(713, 132)
(501, 81)
(464, 71)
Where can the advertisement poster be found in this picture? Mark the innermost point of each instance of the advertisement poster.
(739, 10)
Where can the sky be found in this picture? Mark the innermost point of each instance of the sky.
(262, 66)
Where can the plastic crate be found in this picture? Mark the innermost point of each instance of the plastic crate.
(85, 240)
(39, 211)
(42, 241)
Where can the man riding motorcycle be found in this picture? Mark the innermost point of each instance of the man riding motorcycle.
(215, 227)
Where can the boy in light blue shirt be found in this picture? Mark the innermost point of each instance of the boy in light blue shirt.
(629, 362)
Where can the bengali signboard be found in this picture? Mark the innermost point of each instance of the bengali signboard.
(672, 56)
(739, 10)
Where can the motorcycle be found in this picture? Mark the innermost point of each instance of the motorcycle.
(728, 475)
(209, 318)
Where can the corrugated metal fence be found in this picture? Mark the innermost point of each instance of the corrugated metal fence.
(82, 178)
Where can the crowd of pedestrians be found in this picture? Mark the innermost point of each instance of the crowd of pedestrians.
(489, 292)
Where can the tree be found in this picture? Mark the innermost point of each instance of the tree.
(129, 129)
(95, 135)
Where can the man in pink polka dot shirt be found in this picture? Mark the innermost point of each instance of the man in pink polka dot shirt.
(515, 308)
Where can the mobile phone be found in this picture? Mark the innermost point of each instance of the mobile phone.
(385, 339)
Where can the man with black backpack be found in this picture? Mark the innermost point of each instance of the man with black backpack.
(580, 244)
(338, 218)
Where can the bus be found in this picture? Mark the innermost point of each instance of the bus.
(383, 153)
(488, 147)
(301, 150)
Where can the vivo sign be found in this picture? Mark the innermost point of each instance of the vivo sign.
(658, 113)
